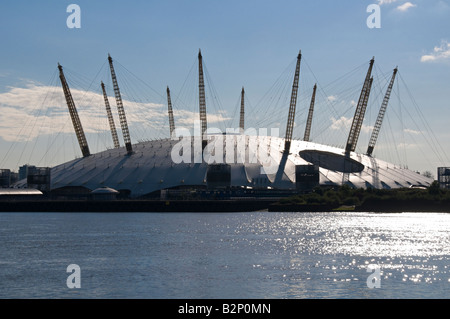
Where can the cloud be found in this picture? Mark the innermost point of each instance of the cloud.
(35, 110)
(381, 2)
(187, 118)
(440, 53)
(345, 123)
(340, 124)
(407, 5)
(332, 98)
(410, 131)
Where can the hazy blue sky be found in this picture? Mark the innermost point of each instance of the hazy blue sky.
(244, 43)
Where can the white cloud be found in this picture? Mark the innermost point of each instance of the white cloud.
(381, 2)
(439, 53)
(187, 118)
(410, 131)
(34, 110)
(340, 124)
(407, 5)
(332, 98)
(345, 123)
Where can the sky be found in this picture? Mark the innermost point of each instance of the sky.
(245, 43)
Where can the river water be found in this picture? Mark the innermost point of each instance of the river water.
(225, 255)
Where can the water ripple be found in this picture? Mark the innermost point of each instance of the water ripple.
(235, 255)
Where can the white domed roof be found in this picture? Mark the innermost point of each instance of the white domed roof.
(151, 167)
(104, 190)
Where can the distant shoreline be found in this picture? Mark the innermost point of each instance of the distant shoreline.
(106, 206)
(344, 198)
(213, 206)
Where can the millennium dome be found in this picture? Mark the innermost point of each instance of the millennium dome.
(150, 168)
(238, 161)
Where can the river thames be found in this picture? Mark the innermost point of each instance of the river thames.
(225, 255)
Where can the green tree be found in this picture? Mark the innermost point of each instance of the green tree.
(435, 188)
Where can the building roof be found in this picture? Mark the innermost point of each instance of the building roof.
(19, 191)
(151, 167)
(104, 190)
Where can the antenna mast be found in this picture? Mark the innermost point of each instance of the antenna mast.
(74, 114)
(202, 99)
(360, 110)
(169, 106)
(241, 120)
(310, 115)
(363, 111)
(110, 118)
(122, 117)
(291, 116)
(377, 127)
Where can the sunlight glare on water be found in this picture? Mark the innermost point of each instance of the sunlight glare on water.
(362, 234)
(229, 255)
